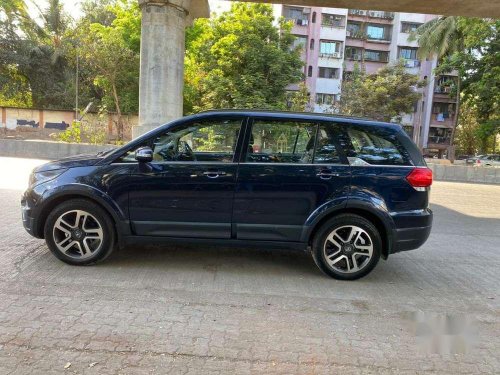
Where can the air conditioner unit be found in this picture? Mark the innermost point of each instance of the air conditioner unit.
(336, 55)
(361, 12)
(306, 10)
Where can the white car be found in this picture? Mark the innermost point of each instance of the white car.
(492, 160)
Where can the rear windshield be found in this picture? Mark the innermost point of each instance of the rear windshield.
(375, 145)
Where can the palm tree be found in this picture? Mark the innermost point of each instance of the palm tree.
(441, 37)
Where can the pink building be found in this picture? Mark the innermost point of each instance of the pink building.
(336, 39)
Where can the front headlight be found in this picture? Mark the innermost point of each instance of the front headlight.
(41, 177)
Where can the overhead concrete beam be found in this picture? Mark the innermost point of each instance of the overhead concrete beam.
(469, 8)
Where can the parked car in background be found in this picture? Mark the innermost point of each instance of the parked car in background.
(349, 190)
(492, 160)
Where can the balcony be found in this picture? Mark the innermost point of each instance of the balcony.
(298, 21)
(334, 55)
(438, 140)
(371, 13)
(356, 34)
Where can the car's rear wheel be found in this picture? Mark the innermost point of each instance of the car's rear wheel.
(79, 232)
(347, 247)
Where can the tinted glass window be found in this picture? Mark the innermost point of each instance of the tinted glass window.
(281, 142)
(213, 140)
(376, 146)
(326, 151)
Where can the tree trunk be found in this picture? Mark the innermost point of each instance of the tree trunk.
(119, 126)
(457, 116)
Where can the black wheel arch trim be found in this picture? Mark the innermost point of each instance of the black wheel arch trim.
(354, 206)
(76, 191)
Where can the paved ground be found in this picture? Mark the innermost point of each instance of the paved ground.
(202, 311)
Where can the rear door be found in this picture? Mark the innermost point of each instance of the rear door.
(289, 168)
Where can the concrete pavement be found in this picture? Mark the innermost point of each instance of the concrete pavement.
(181, 310)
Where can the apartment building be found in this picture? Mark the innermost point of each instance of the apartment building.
(333, 40)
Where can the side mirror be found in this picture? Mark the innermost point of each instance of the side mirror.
(144, 155)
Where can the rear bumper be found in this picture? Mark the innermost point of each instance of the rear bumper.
(414, 236)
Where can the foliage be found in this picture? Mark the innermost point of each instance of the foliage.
(111, 53)
(32, 52)
(467, 139)
(470, 46)
(73, 134)
(240, 59)
(385, 95)
(300, 100)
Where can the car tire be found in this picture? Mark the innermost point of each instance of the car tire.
(80, 232)
(347, 247)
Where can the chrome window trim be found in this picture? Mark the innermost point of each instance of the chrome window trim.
(284, 164)
(297, 164)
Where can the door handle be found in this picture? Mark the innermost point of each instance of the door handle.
(327, 175)
(214, 174)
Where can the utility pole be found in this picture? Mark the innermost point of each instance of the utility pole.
(76, 87)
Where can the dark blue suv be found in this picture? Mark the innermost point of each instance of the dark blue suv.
(350, 190)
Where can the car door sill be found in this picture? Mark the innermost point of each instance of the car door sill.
(145, 240)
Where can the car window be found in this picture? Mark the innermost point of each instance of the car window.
(326, 151)
(277, 141)
(376, 146)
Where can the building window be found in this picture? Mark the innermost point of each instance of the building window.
(299, 42)
(330, 73)
(311, 44)
(408, 53)
(439, 135)
(330, 48)
(299, 16)
(325, 99)
(354, 30)
(332, 20)
(377, 56)
(310, 71)
(445, 85)
(314, 17)
(353, 53)
(408, 27)
(443, 111)
(378, 32)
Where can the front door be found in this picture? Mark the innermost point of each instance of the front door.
(289, 168)
(188, 189)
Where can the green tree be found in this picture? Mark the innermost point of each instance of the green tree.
(386, 95)
(467, 137)
(470, 46)
(32, 53)
(111, 53)
(300, 100)
(240, 59)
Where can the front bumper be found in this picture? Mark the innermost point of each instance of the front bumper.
(29, 222)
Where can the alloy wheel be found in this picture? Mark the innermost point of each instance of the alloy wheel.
(348, 249)
(78, 234)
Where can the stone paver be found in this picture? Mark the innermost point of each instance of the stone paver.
(187, 310)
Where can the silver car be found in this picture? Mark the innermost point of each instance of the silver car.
(492, 160)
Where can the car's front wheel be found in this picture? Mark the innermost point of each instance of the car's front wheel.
(347, 247)
(79, 232)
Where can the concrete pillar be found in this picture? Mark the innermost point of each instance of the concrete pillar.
(161, 79)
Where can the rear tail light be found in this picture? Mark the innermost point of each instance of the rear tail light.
(420, 178)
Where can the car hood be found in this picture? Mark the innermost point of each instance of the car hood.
(70, 162)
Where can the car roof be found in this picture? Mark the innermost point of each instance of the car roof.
(300, 115)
